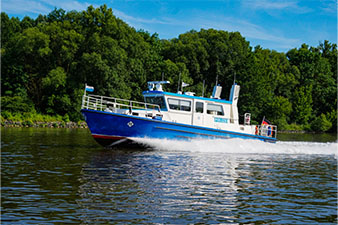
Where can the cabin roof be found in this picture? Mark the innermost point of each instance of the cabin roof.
(186, 96)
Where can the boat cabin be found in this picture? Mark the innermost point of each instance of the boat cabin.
(189, 109)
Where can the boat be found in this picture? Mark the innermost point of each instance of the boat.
(166, 115)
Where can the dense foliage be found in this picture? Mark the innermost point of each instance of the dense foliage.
(46, 62)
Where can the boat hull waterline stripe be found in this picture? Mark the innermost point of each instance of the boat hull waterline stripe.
(103, 136)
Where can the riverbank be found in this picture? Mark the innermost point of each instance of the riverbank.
(50, 124)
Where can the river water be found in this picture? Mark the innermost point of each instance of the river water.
(61, 176)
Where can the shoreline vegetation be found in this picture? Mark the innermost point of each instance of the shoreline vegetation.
(38, 120)
(51, 124)
(46, 61)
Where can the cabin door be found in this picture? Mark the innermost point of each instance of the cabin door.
(198, 114)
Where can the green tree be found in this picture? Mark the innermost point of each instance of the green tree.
(305, 60)
(33, 46)
(321, 124)
(9, 26)
(316, 70)
(302, 104)
(55, 97)
(279, 110)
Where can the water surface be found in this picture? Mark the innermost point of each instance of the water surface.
(52, 176)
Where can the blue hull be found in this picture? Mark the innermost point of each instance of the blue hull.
(113, 128)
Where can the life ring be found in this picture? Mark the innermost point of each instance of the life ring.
(269, 131)
(256, 130)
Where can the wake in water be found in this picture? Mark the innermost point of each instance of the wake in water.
(241, 146)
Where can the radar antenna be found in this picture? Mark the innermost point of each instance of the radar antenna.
(157, 85)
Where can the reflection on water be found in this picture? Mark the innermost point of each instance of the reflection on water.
(62, 176)
(166, 188)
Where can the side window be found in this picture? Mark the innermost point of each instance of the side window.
(215, 109)
(178, 104)
(199, 107)
(185, 105)
(173, 103)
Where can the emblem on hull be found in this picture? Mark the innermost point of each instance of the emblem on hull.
(130, 124)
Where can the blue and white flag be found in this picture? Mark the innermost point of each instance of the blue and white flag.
(89, 88)
(185, 84)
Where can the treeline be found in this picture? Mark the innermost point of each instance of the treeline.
(46, 62)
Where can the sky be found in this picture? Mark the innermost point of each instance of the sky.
(274, 24)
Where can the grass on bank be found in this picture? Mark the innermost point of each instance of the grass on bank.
(30, 119)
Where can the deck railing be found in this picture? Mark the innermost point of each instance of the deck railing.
(103, 103)
(266, 130)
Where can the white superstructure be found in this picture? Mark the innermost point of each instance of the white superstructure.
(210, 112)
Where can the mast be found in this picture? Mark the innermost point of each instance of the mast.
(178, 84)
(203, 88)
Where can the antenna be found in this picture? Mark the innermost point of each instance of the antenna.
(178, 84)
(235, 77)
(216, 80)
(203, 88)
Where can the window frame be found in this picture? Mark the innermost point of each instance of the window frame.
(218, 113)
(199, 108)
(180, 107)
(163, 105)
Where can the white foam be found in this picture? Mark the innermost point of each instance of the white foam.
(241, 146)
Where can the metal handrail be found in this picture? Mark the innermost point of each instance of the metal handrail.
(266, 130)
(102, 103)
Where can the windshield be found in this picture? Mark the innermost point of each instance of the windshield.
(157, 100)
